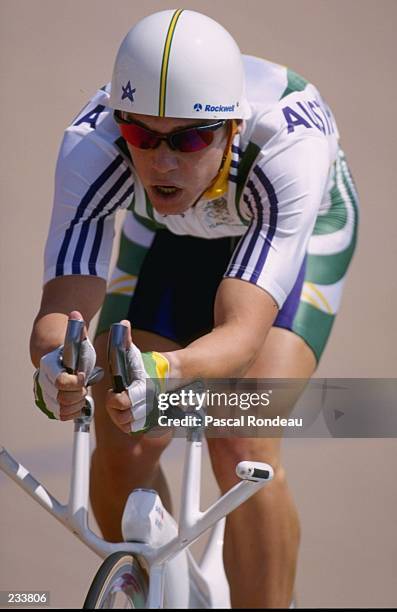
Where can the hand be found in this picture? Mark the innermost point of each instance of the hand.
(58, 394)
(135, 409)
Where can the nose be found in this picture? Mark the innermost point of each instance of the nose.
(164, 159)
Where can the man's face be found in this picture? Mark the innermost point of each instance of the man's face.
(190, 173)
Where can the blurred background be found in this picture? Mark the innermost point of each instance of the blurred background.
(53, 57)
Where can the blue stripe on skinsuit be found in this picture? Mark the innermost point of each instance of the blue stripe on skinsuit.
(99, 232)
(254, 237)
(76, 269)
(80, 211)
(271, 194)
(240, 244)
(287, 313)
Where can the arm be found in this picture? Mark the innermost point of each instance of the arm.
(57, 393)
(92, 182)
(244, 314)
(61, 296)
(283, 195)
(227, 351)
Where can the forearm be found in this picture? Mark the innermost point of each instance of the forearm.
(47, 334)
(225, 352)
(61, 296)
(244, 315)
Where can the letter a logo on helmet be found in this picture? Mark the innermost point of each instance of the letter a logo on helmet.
(174, 58)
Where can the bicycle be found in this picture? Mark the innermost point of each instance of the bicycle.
(152, 567)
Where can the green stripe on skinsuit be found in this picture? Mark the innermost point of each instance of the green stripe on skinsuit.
(121, 144)
(314, 326)
(148, 223)
(114, 309)
(150, 213)
(336, 217)
(247, 160)
(149, 208)
(346, 175)
(354, 200)
(328, 269)
(295, 82)
(131, 256)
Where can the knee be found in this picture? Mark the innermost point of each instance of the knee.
(134, 455)
(226, 453)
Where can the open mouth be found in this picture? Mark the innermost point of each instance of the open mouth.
(166, 190)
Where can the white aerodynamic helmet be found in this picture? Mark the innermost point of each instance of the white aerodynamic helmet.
(179, 63)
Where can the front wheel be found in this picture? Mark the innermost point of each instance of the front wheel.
(119, 583)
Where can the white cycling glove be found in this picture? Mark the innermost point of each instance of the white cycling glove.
(142, 392)
(45, 391)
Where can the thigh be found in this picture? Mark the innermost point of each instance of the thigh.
(283, 355)
(312, 306)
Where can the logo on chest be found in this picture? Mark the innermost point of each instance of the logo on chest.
(216, 213)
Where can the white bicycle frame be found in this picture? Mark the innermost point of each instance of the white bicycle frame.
(205, 585)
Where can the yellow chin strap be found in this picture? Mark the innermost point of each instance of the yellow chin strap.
(219, 185)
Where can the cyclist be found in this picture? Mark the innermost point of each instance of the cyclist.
(241, 223)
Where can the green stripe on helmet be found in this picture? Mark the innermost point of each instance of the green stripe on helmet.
(165, 62)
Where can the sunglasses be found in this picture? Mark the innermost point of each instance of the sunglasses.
(188, 140)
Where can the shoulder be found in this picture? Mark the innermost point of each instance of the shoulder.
(92, 166)
(91, 148)
(290, 124)
(93, 133)
(283, 103)
(288, 114)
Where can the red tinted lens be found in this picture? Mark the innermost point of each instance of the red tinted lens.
(192, 140)
(138, 137)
